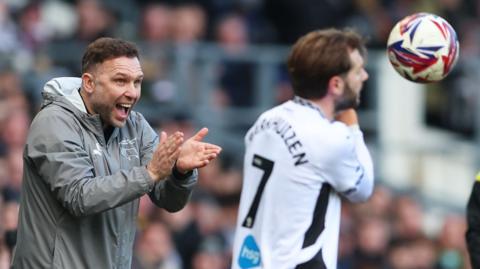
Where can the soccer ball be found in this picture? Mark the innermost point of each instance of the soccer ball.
(423, 48)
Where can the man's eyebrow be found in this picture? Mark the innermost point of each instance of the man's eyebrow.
(122, 74)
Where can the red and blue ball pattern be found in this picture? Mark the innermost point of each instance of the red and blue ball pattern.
(423, 48)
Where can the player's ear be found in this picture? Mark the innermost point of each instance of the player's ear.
(335, 85)
(88, 82)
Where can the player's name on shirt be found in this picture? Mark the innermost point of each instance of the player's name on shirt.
(283, 129)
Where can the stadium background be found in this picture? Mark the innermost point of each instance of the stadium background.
(219, 63)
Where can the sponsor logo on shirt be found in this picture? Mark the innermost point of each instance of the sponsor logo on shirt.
(249, 253)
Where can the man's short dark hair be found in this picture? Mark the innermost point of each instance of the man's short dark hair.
(106, 48)
(320, 55)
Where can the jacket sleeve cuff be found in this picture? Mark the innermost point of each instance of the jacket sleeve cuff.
(180, 176)
(149, 183)
(184, 180)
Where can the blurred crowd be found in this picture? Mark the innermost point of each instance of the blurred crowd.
(388, 231)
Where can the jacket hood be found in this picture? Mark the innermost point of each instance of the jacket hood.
(64, 92)
(67, 87)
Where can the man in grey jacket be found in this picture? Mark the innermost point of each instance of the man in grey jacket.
(88, 160)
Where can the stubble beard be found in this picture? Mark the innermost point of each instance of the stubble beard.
(106, 115)
(349, 99)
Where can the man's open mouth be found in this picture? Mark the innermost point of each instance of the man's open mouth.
(123, 109)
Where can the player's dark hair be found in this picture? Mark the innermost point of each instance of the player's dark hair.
(320, 55)
(106, 48)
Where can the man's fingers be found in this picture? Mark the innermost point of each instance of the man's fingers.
(207, 156)
(174, 155)
(211, 151)
(203, 163)
(196, 154)
(200, 134)
(165, 155)
(175, 148)
(170, 145)
(216, 149)
(174, 140)
(211, 147)
(163, 137)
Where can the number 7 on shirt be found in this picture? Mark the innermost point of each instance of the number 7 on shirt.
(267, 166)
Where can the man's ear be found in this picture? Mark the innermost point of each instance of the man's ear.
(88, 83)
(336, 85)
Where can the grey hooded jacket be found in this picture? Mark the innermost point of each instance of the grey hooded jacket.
(80, 193)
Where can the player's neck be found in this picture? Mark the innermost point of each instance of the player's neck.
(326, 106)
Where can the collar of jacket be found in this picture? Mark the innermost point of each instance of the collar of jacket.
(91, 122)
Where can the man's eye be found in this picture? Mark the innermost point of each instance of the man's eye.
(120, 81)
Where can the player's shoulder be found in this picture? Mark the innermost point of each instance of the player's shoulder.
(288, 111)
(335, 136)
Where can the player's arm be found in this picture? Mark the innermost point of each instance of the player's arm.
(363, 187)
(352, 170)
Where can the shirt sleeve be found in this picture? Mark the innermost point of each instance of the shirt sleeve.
(348, 166)
(56, 149)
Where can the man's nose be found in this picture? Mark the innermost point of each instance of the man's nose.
(132, 92)
(365, 75)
